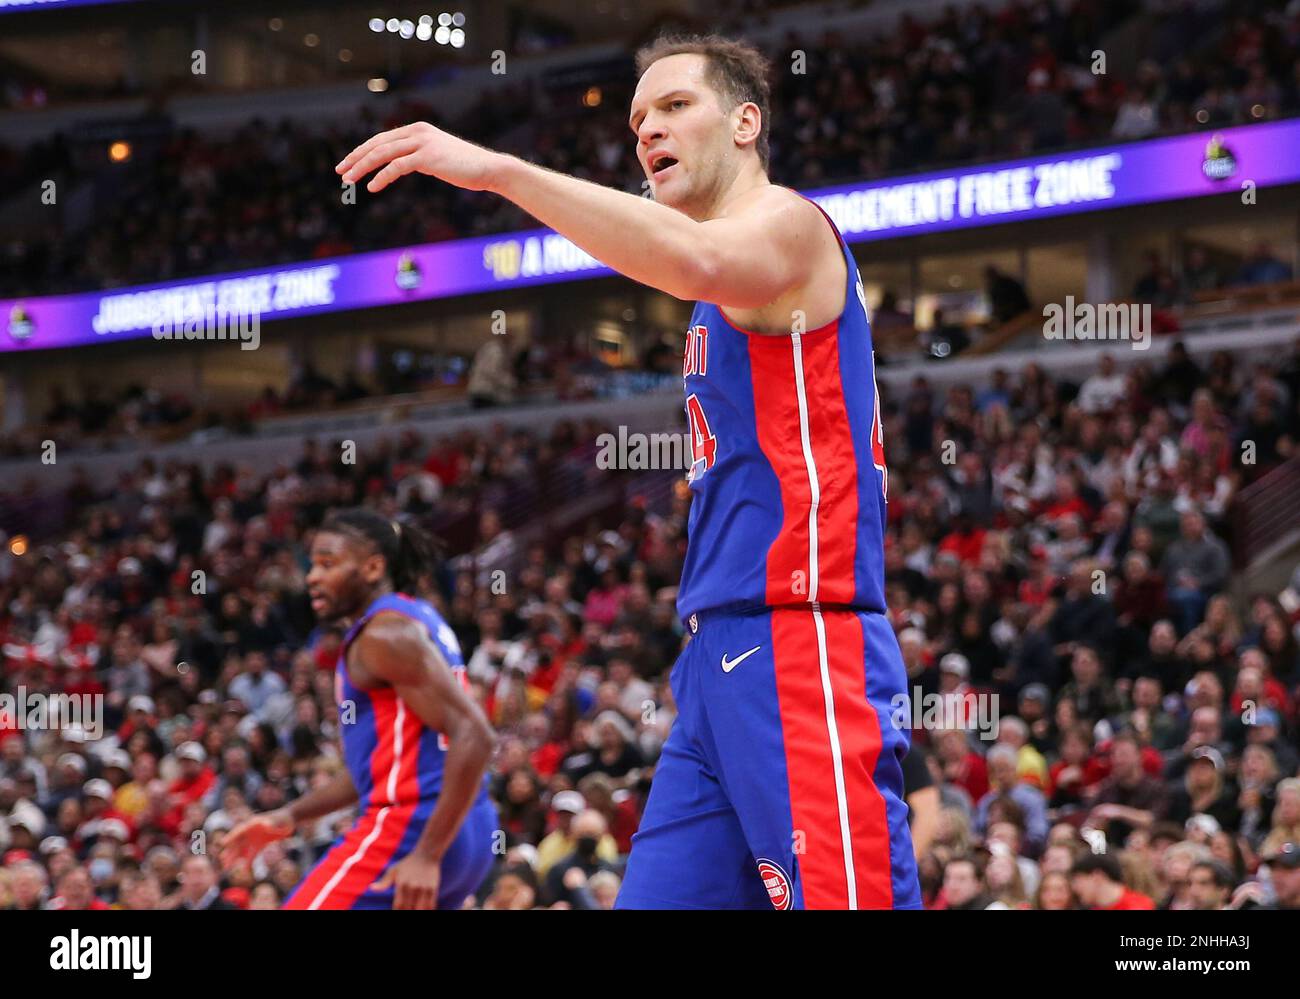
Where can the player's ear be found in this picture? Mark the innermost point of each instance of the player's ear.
(372, 569)
(748, 123)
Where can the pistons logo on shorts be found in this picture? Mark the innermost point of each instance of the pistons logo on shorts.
(777, 884)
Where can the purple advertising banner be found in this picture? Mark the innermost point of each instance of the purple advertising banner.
(1185, 166)
(14, 6)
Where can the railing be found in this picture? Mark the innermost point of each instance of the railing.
(1265, 512)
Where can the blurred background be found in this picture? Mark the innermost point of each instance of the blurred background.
(158, 154)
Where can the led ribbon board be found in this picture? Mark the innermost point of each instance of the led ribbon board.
(1153, 170)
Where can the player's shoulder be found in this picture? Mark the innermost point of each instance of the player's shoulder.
(796, 221)
(783, 202)
(392, 623)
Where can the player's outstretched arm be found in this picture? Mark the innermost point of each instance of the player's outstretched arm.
(398, 651)
(745, 260)
(249, 838)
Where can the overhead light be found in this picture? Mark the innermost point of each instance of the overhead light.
(457, 38)
(18, 545)
(424, 31)
(311, 39)
(393, 25)
(275, 24)
(376, 24)
(345, 55)
(119, 152)
(406, 29)
(444, 20)
(377, 86)
(442, 35)
(458, 19)
(426, 18)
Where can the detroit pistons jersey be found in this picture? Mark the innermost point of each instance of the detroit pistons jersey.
(393, 757)
(788, 475)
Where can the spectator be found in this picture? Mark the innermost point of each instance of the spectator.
(568, 878)
(1196, 567)
(1097, 882)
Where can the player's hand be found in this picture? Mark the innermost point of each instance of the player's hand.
(420, 148)
(416, 879)
(251, 836)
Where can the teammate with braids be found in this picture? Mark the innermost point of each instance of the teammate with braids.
(415, 743)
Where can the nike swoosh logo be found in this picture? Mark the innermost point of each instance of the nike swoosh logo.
(729, 665)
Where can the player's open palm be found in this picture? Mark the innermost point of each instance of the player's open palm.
(419, 148)
(415, 880)
(250, 837)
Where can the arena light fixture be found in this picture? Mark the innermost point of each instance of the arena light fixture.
(442, 35)
(423, 31)
(393, 25)
(406, 29)
(311, 39)
(119, 151)
(457, 38)
(275, 24)
(377, 86)
(444, 20)
(426, 19)
(345, 55)
(458, 19)
(376, 24)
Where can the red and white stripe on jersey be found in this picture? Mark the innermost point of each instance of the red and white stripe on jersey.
(353, 865)
(832, 742)
(832, 733)
(803, 429)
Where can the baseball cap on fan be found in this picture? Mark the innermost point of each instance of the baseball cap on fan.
(1210, 754)
(569, 801)
(98, 788)
(956, 664)
(1287, 856)
(191, 751)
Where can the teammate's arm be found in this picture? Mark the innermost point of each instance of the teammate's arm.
(743, 261)
(397, 651)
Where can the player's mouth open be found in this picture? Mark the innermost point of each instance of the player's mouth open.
(318, 602)
(661, 165)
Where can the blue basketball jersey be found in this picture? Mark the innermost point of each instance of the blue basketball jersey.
(788, 475)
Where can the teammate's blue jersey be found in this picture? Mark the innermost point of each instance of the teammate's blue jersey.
(789, 476)
(394, 758)
(396, 763)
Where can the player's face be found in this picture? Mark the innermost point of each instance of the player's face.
(343, 571)
(683, 135)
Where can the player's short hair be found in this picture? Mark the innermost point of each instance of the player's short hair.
(736, 70)
(408, 551)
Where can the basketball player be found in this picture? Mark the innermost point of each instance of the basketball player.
(415, 744)
(781, 782)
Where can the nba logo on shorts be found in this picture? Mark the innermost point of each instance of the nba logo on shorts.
(777, 884)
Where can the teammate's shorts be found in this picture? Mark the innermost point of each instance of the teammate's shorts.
(781, 782)
(383, 836)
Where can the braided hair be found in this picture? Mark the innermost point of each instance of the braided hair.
(409, 552)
